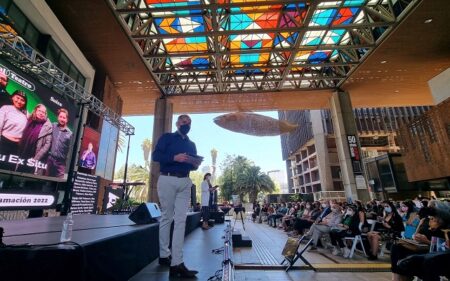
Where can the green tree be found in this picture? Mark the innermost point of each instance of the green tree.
(252, 181)
(240, 176)
(231, 167)
(136, 174)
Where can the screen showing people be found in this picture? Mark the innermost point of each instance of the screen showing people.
(36, 126)
(89, 151)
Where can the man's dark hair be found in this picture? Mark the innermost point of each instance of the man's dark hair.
(183, 116)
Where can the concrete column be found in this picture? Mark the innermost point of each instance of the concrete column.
(162, 124)
(344, 129)
(323, 158)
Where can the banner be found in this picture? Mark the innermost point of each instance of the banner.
(20, 200)
(85, 194)
(354, 154)
(36, 126)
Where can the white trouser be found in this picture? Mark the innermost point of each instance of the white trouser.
(174, 195)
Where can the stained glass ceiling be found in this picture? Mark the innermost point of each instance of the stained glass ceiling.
(224, 46)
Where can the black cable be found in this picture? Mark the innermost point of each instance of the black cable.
(217, 276)
(2, 245)
(218, 250)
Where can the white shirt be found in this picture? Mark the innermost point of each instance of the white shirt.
(205, 193)
(12, 121)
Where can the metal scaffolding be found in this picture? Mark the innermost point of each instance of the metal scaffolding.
(24, 57)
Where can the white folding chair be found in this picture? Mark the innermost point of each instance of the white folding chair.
(357, 239)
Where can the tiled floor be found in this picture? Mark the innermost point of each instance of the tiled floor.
(267, 246)
(280, 275)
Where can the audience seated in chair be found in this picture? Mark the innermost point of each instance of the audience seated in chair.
(324, 225)
(430, 226)
(280, 212)
(349, 227)
(389, 227)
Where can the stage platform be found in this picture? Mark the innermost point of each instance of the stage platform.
(107, 247)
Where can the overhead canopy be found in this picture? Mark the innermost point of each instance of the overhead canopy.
(263, 55)
(226, 46)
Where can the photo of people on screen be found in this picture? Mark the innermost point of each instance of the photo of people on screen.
(88, 159)
(4, 96)
(61, 139)
(13, 119)
(35, 142)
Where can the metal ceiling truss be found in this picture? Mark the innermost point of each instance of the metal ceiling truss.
(24, 57)
(285, 66)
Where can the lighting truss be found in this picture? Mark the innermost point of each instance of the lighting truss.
(226, 46)
(23, 56)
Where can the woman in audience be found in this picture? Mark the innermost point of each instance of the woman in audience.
(349, 227)
(410, 218)
(310, 214)
(287, 219)
(390, 226)
(361, 211)
(437, 220)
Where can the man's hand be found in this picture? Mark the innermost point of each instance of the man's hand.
(181, 157)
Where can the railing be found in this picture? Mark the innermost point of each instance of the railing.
(329, 195)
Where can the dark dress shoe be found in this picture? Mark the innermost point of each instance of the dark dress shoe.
(165, 261)
(181, 271)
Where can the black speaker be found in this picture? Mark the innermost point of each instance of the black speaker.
(145, 213)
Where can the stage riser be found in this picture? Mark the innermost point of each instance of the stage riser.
(111, 252)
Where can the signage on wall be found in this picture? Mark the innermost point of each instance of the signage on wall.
(85, 193)
(354, 154)
(11, 200)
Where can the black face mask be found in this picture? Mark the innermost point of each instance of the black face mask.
(184, 129)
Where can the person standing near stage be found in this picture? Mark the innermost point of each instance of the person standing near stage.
(207, 190)
(174, 153)
(61, 137)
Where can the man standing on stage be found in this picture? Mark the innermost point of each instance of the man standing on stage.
(174, 152)
(61, 138)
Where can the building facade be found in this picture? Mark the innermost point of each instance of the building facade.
(310, 151)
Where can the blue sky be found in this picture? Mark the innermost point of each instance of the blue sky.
(263, 151)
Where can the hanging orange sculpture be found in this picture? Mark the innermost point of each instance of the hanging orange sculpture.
(254, 124)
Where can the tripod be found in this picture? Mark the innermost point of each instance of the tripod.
(239, 211)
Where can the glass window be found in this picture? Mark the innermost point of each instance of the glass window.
(107, 151)
(53, 52)
(4, 6)
(386, 177)
(64, 63)
(18, 19)
(31, 35)
(73, 72)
